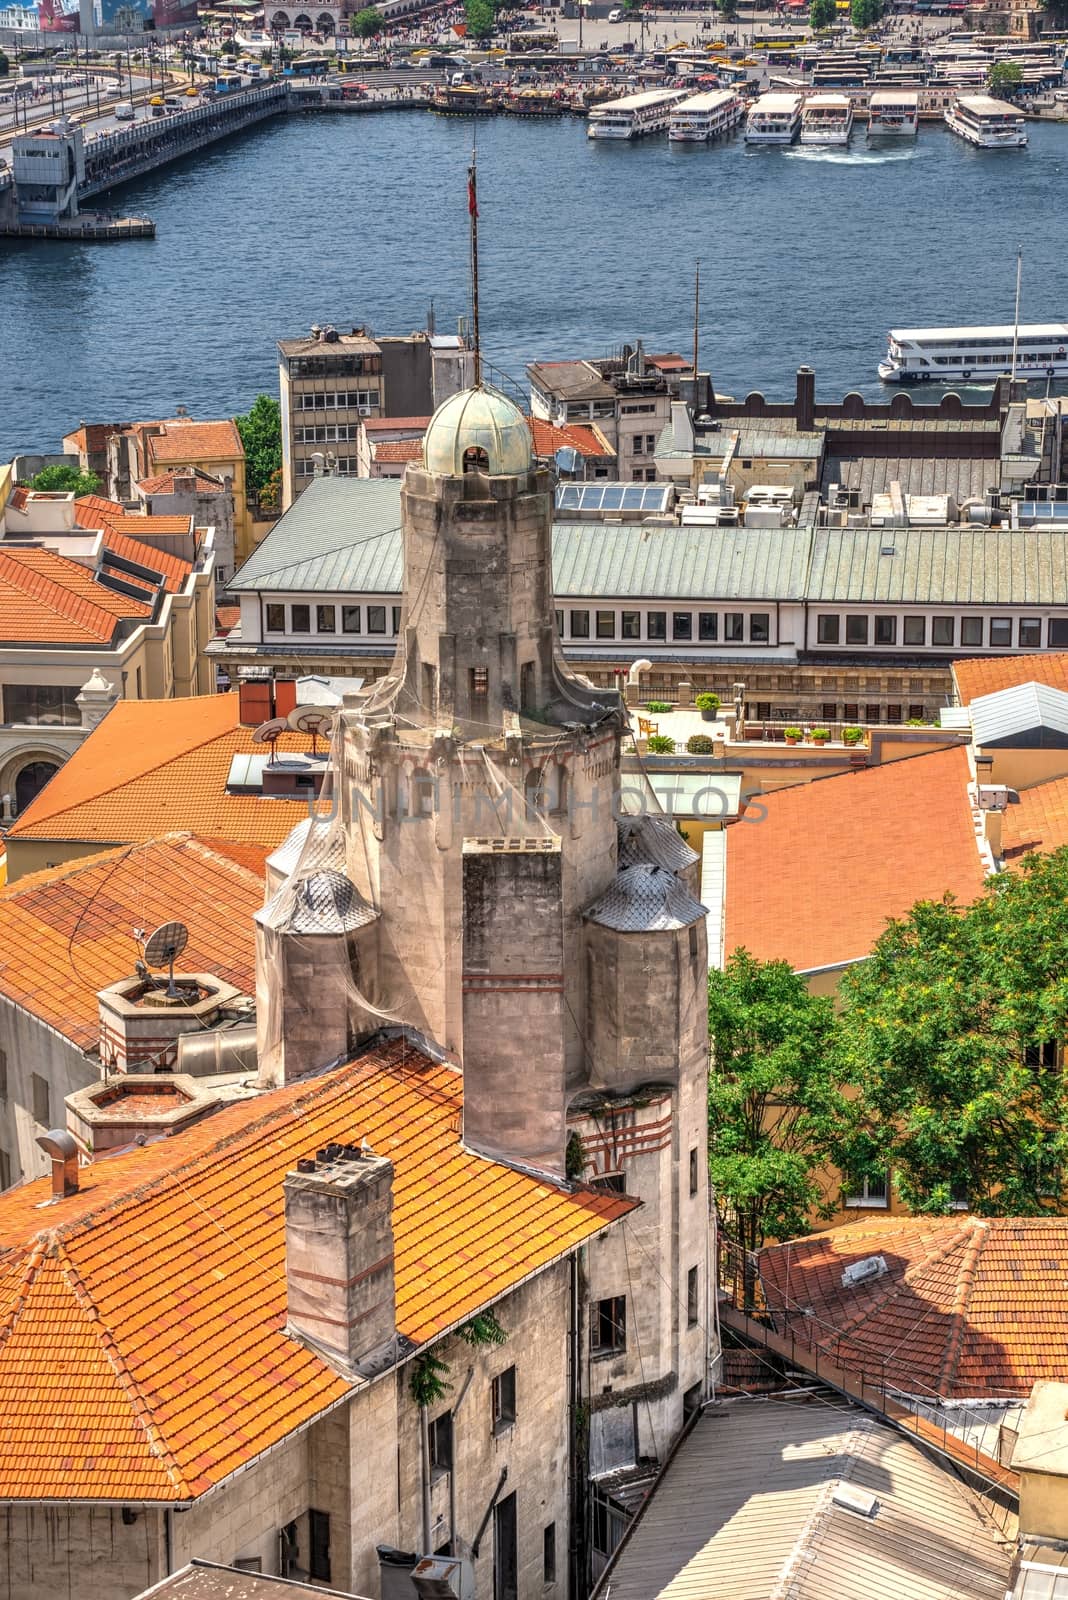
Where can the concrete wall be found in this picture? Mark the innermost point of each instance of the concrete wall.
(69, 1549)
(31, 1047)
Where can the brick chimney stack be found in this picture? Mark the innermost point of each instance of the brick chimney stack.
(339, 1254)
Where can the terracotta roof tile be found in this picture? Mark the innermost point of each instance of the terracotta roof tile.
(814, 880)
(183, 442)
(47, 599)
(969, 1307)
(95, 512)
(1039, 822)
(163, 483)
(172, 568)
(397, 449)
(67, 932)
(374, 425)
(18, 498)
(158, 765)
(142, 1346)
(989, 674)
(548, 439)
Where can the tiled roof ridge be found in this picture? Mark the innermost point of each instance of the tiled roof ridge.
(203, 849)
(78, 609)
(959, 1318)
(30, 1270)
(320, 1086)
(139, 1406)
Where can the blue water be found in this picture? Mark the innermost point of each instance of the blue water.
(806, 256)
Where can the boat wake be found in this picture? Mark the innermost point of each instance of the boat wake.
(849, 158)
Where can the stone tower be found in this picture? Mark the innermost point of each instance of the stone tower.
(501, 909)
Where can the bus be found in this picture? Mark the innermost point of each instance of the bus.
(309, 67)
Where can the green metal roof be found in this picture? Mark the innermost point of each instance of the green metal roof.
(648, 561)
(940, 566)
(341, 536)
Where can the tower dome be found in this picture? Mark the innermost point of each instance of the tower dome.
(478, 429)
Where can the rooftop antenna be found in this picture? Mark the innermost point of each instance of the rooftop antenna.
(1016, 315)
(316, 720)
(472, 211)
(163, 948)
(269, 733)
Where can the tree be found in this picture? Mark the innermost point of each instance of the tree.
(950, 1034)
(866, 13)
(822, 14)
(65, 480)
(5, 65)
(728, 9)
(775, 1103)
(480, 18)
(261, 435)
(1004, 77)
(367, 23)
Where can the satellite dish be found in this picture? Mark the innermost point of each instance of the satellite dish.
(270, 733)
(163, 948)
(316, 720)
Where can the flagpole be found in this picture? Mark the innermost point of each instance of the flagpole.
(1016, 313)
(472, 207)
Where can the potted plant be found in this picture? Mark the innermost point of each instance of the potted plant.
(792, 735)
(852, 735)
(700, 744)
(707, 705)
(820, 736)
(660, 744)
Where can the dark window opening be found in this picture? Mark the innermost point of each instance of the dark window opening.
(580, 624)
(300, 619)
(827, 629)
(971, 630)
(475, 459)
(478, 681)
(319, 1546)
(656, 624)
(505, 1550)
(759, 627)
(376, 619)
(631, 625)
(548, 1554)
(526, 686)
(681, 625)
(694, 1169)
(606, 624)
(440, 1433)
(350, 619)
(691, 1298)
(608, 1326)
(856, 630)
(503, 1399)
(325, 619)
(614, 1182)
(886, 630)
(42, 1100)
(708, 626)
(915, 630)
(276, 619)
(943, 630)
(733, 627)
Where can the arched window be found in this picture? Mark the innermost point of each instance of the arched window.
(475, 459)
(532, 790)
(560, 792)
(30, 781)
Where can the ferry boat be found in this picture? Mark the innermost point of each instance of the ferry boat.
(774, 119)
(893, 114)
(938, 355)
(466, 100)
(827, 119)
(702, 117)
(533, 103)
(633, 115)
(990, 124)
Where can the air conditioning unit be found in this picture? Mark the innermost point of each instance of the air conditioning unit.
(365, 411)
(856, 1500)
(444, 1578)
(865, 1271)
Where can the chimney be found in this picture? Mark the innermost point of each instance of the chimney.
(805, 402)
(681, 426)
(61, 1148)
(1040, 1457)
(339, 1255)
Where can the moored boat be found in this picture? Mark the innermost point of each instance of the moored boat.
(702, 117)
(893, 114)
(466, 100)
(987, 123)
(827, 119)
(633, 115)
(774, 119)
(942, 355)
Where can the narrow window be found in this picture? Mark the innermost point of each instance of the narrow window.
(733, 627)
(42, 1100)
(503, 1399)
(827, 629)
(886, 630)
(608, 1326)
(350, 619)
(693, 1169)
(759, 627)
(942, 630)
(708, 626)
(505, 1550)
(478, 678)
(440, 1432)
(325, 619)
(656, 624)
(276, 619)
(580, 624)
(300, 619)
(548, 1554)
(526, 686)
(319, 1546)
(606, 624)
(631, 625)
(682, 625)
(1030, 633)
(691, 1298)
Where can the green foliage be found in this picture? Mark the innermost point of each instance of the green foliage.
(852, 735)
(429, 1380)
(5, 65)
(480, 16)
(65, 480)
(574, 1157)
(728, 9)
(917, 722)
(483, 1330)
(820, 735)
(261, 435)
(822, 14)
(791, 733)
(865, 13)
(367, 23)
(659, 707)
(228, 48)
(660, 744)
(1004, 77)
(700, 744)
(707, 702)
(776, 1106)
(944, 1029)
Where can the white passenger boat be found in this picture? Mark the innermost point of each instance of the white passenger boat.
(938, 355)
(774, 119)
(827, 119)
(633, 115)
(702, 117)
(893, 114)
(990, 124)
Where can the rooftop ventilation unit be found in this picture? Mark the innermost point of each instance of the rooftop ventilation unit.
(865, 1271)
(858, 1501)
(443, 1578)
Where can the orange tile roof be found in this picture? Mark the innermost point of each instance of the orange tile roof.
(970, 1307)
(158, 765)
(1039, 822)
(989, 674)
(174, 570)
(185, 442)
(813, 881)
(142, 1346)
(397, 449)
(47, 599)
(385, 424)
(163, 483)
(548, 439)
(67, 932)
(95, 512)
(19, 497)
